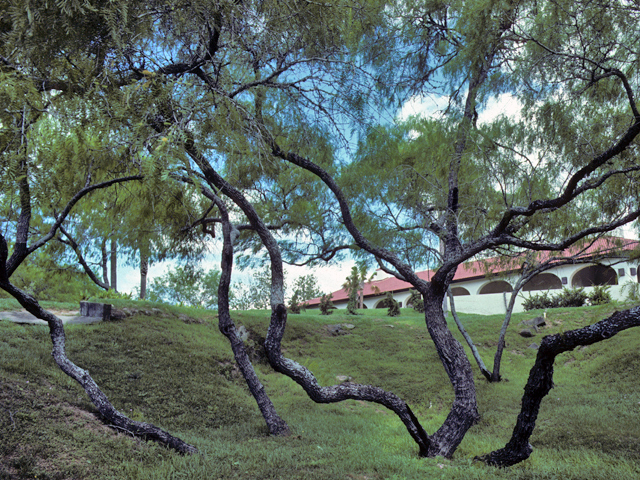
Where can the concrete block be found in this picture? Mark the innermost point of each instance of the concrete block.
(101, 310)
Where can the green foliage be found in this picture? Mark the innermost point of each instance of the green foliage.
(295, 306)
(326, 305)
(600, 295)
(186, 285)
(254, 294)
(632, 290)
(305, 287)
(393, 306)
(47, 278)
(415, 301)
(352, 286)
(568, 297)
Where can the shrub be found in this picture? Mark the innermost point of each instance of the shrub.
(326, 305)
(568, 297)
(416, 301)
(571, 297)
(632, 290)
(600, 295)
(394, 307)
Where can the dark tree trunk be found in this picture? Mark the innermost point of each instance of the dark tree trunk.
(292, 369)
(541, 380)
(464, 411)
(276, 425)
(114, 264)
(104, 263)
(497, 359)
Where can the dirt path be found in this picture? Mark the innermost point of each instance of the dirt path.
(68, 318)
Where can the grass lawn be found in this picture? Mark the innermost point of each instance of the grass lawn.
(178, 373)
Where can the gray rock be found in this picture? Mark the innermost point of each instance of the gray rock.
(117, 314)
(343, 378)
(527, 333)
(336, 330)
(348, 326)
(534, 346)
(534, 322)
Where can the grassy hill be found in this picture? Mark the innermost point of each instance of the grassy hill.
(173, 368)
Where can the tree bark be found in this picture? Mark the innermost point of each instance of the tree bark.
(144, 270)
(276, 425)
(464, 411)
(114, 264)
(541, 381)
(292, 369)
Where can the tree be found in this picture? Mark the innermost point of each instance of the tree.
(326, 305)
(187, 285)
(248, 104)
(306, 287)
(55, 154)
(352, 285)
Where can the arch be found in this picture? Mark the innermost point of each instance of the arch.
(497, 286)
(543, 281)
(594, 275)
(382, 304)
(459, 291)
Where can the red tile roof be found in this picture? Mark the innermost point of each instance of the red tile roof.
(480, 268)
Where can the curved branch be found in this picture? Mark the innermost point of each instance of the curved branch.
(19, 255)
(276, 425)
(541, 380)
(74, 245)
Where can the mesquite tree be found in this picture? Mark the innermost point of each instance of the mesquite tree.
(255, 103)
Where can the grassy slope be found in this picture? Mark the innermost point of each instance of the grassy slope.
(180, 376)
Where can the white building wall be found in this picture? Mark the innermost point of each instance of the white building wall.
(495, 303)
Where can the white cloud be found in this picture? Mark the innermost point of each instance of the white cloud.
(423, 106)
(505, 104)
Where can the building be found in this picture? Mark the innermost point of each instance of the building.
(484, 286)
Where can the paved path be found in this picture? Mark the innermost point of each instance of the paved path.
(26, 317)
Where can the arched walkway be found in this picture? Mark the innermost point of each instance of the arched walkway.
(594, 275)
(543, 281)
(458, 291)
(497, 286)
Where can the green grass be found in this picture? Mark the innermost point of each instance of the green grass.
(178, 373)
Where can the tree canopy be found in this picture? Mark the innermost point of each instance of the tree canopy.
(276, 123)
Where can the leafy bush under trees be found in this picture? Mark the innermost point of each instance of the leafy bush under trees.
(326, 305)
(415, 301)
(393, 306)
(568, 297)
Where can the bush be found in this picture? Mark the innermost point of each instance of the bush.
(632, 290)
(568, 297)
(326, 305)
(600, 295)
(415, 301)
(571, 297)
(539, 301)
(394, 307)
